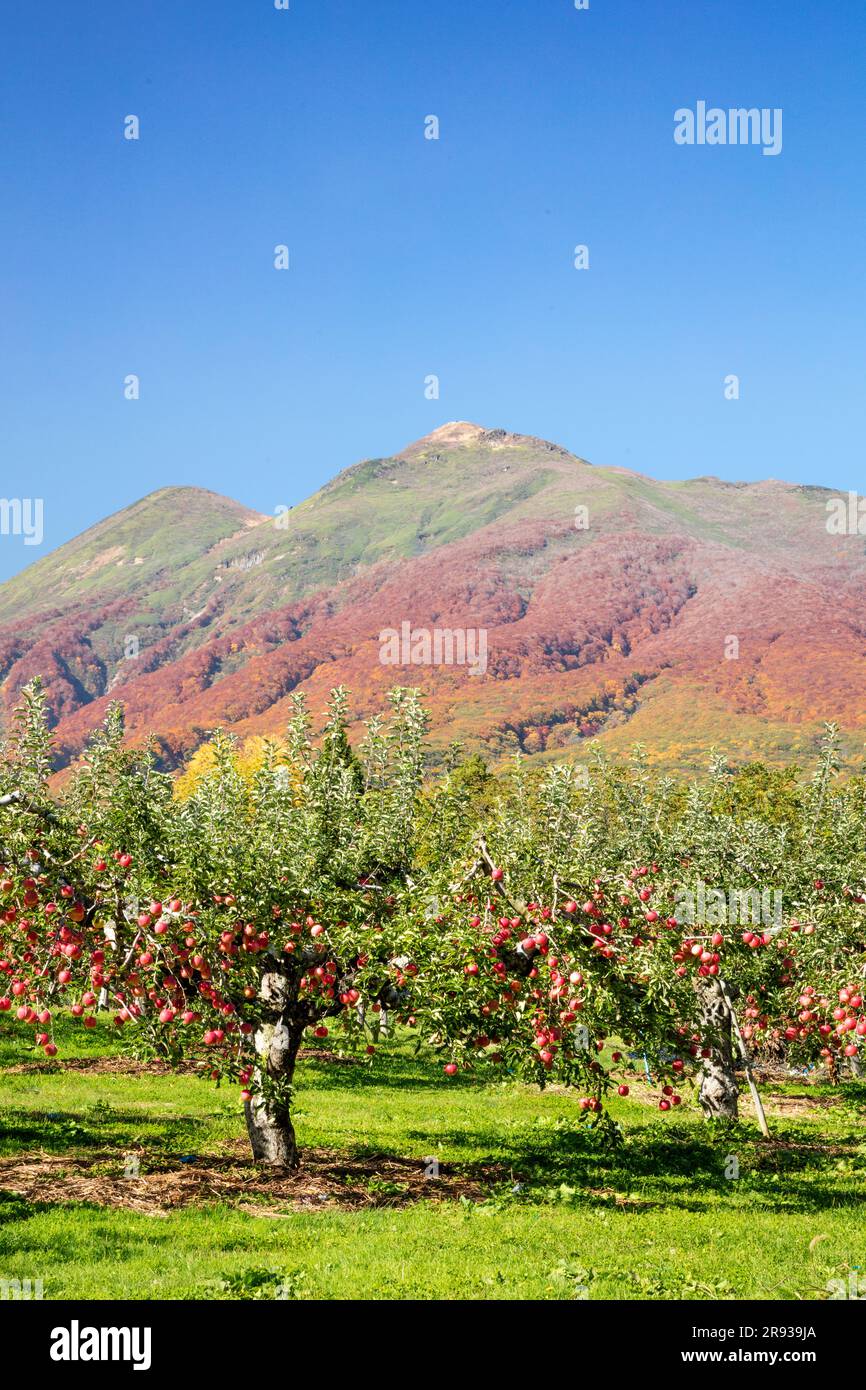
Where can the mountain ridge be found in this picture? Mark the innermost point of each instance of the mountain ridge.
(607, 598)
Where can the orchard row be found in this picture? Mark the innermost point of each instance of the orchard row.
(525, 924)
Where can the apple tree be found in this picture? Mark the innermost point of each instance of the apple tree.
(232, 924)
(640, 907)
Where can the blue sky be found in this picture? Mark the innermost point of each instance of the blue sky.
(411, 257)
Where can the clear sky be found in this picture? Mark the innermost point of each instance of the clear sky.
(411, 257)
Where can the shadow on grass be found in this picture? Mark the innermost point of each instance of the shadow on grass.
(392, 1070)
(22, 1131)
(679, 1168)
(528, 1164)
(675, 1164)
(851, 1092)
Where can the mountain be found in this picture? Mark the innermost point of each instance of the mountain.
(615, 607)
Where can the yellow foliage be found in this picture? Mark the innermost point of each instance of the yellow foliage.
(199, 765)
(250, 758)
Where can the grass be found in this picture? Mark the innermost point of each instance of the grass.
(554, 1215)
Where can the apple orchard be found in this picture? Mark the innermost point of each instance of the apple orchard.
(519, 925)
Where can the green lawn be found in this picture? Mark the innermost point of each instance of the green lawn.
(550, 1213)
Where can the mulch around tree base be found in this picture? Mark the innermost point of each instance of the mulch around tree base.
(325, 1181)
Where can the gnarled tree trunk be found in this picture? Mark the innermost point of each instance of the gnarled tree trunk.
(718, 1087)
(277, 1040)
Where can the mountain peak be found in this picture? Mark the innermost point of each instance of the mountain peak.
(453, 434)
(461, 434)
